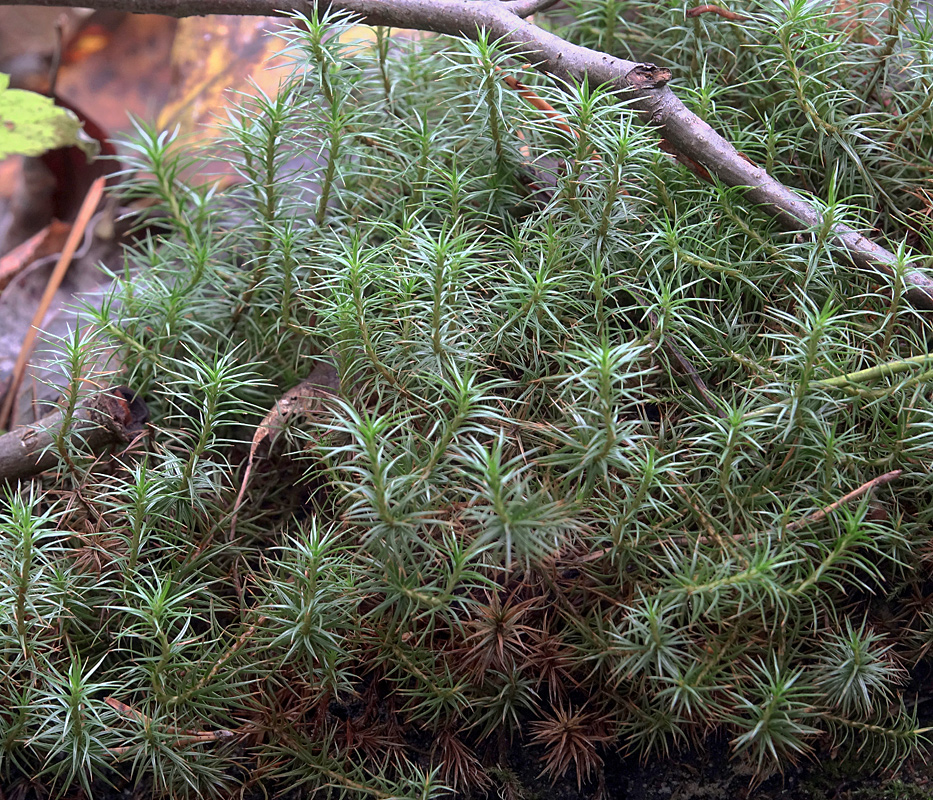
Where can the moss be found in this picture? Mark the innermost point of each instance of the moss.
(508, 520)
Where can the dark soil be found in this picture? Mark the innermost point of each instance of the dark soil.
(711, 774)
(708, 774)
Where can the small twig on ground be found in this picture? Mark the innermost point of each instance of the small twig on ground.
(185, 737)
(818, 516)
(91, 201)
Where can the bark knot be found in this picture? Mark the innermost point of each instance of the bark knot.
(647, 76)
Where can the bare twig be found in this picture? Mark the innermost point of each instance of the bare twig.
(185, 737)
(818, 516)
(91, 201)
(643, 85)
(109, 418)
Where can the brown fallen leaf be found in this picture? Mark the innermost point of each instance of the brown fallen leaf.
(116, 66)
(304, 399)
(51, 239)
(725, 13)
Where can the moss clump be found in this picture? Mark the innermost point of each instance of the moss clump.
(573, 487)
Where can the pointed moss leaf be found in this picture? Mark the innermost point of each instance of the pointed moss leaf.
(31, 124)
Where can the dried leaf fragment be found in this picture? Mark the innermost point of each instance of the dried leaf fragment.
(304, 399)
(725, 13)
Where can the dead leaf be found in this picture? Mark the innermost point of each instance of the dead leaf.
(49, 240)
(117, 66)
(305, 399)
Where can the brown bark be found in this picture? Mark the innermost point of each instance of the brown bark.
(107, 419)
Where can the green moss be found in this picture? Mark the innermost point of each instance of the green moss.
(577, 479)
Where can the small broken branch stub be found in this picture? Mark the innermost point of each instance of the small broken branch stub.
(643, 77)
(112, 417)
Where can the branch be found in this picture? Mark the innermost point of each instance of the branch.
(109, 418)
(643, 85)
(818, 516)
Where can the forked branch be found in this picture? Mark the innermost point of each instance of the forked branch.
(644, 85)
